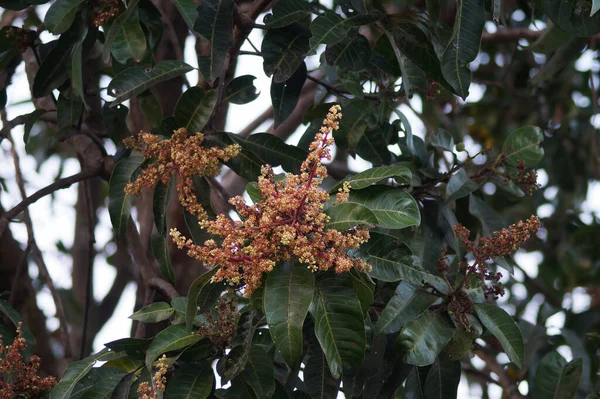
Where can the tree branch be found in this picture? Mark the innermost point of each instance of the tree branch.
(508, 384)
(57, 185)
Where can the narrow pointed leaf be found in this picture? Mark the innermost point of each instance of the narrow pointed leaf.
(328, 28)
(191, 381)
(202, 295)
(134, 81)
(76, 371)
(464, 45)
(119, 204)
(374, 175)
(289, 290)
(160, 203)
(422, 340)
(319, 382)
(241, 90)
(172, 338)
(61, 14)
(130, 42)
(287, 12)
(443, 379)
(258, 373)
(557, 379)
(391, 261)
(407, 304)
(339, 323)
(348, 215)
(573, 17)
(14, 316)
(285, 95)
(153, 313)
(194, 108)
(353, 126)
(524, 144)
(274, 151)
(54, 68)
(99, 383)
(460, 185)
(215, 23)
(187, 9)
(283, 50)
(393, 207)
(115, 29)
(503, 327)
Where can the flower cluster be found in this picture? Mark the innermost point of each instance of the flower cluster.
(159, 381)
(19, 378)
(501, 243)
(104, 11)
(221, 331)
(182, 155)
(288, 222)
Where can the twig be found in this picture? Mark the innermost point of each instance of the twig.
(37, 255)
(508, 384)
(57, 185)
(262, 118)
(18, 273)
(164, 286)
(330, 88)
(89, 207)
(244, 52)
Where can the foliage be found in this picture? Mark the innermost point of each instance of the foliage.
(373, 253)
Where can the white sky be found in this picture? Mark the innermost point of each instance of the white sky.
(53, 220)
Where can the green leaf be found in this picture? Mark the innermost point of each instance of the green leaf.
(18, 5)
(53, 70)
(348, 215)
(557, 379)
(442, 140)
(407, 304)
(285, 95)
(215, 23)
(318, 381)
(235, 362)
(464, 45)
(409, 39)
(130, 41)
(123, 389)
(350, 54)
(258, 373)
(287, 12)
(202, 295)
(77, 63)
(393, 207)
(160, 203)
(241, 90)
(460, 185)
(76, 371)
(524, 144)
(160, 248)
(68, 113)
(246, 163)
(329, 28)
(283, 50)
(30, 120)
(422, 340)
(153, 313)
(490, 220)
(354, 124)
(339, 323)
(373, 146)
(187, 9)
(191, 381)
(374, 175)
(503, 327)
(61, 14)
(289, 290)
(443, 379)
(14, 316)
(115, 29)
(194, 108)
(574, 16)
(136, 80)
(273, 151)
(119, 204)
(550, 41)
(392, 262)
(134, 347)
(170, 339)
(99, 383)
(364, 289)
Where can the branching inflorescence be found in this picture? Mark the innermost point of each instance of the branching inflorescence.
(182, 155)
(18, 377)
(288, 222)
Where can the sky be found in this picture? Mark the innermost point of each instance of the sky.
(55, 211)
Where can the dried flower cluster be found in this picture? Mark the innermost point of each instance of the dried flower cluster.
(104, 11)
(526, 179)
(221, 331)
(159, 381)
(501, 243)
(20, 379)
(182, 155)
(288, 221)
